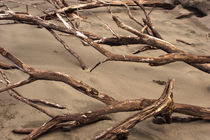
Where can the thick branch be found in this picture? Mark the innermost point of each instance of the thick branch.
(127, 105)
(164, 45)
(54, 76)
(164, 59)
(121, 130)
(159, 43)
(81, 119)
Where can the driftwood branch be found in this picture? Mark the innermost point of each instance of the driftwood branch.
(88, 117)
(148, 21)
(162, 109)
(16, 95)
(146, 39)
(47, 103)
(132, 17)
(97, 4)
(144, 48)
(7, 67)
(55, 76)
(159, 43)
(82, 64)
(121, 130)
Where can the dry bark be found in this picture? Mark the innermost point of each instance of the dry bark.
(30, 102)
(163, 105)
(7, 67)
(178, 55)
(91, 5)
(81, 119)
(161, 108)
(160, 44)
(55, 76)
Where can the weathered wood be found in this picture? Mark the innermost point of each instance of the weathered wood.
(16, 95)
(91, 5)
(7, 67)
(159, 106)
(87, 117)
(159, 43)
(66, 46)
(55, 76)
(146, 39)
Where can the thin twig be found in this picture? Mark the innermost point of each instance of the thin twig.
(47, 103)
(182, 41)
(18, 84)
(99, 63)
(82, 64)
(132, 17)
(16, 95)
(144, 48)
(148, 21)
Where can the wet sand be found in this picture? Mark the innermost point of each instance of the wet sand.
(122, 80)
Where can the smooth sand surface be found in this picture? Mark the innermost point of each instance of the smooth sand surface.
(37, 48)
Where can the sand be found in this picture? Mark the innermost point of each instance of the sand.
(37, 48)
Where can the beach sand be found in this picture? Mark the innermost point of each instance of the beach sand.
(121, 80)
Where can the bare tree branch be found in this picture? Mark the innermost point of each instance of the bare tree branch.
(82, 64)
(121, 130)
(16, 95)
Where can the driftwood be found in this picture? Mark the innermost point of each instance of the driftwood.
(177, 55)
(163, 105)
(71, 8)
(81, 119)
(6, 67)
(161, 109)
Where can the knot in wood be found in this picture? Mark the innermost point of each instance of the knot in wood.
(94, 91)
(4, 52)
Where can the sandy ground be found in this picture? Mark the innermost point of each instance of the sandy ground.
(37, 48)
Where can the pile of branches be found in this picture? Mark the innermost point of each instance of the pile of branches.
(161, 109)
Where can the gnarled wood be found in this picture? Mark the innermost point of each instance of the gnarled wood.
(120, 131)
(161, 108)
